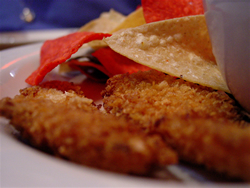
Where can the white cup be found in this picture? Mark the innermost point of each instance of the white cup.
(228, 24)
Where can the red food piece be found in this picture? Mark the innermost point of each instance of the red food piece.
(116, 63)
(57, 51)
(98, 72)
(156, 10)
(75, 63)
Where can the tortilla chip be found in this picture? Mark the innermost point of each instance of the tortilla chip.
(57, 51)
(65, 68)
(96, 44)
(157, 10)
(115, 63)
(134, 19)
(112, 22)
(180, 47)
(105, 23)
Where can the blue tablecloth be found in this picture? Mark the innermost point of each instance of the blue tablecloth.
(58, 13)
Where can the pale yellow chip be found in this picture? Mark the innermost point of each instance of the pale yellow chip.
(112, 21)
(134, 19)
(105, 23)
(64, 68)
(180, 47)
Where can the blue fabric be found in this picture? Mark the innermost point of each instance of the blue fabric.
(58, 13)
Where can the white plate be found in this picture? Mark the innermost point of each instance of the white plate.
(23, 166)
(17, 38)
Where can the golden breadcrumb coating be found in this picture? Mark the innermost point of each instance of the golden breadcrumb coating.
(204, 126)
(64, 124)
(219, 145)
(59, 92)
(147, 96)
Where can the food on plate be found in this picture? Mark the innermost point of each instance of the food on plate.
(111, 22)
(180, 47)
(106, 61)
(204, 126)
(165, 100)
(60, 120)
(108, 22)
(218, 144)
(57, 51)
(134, 19)
(157, 10)
(116, 63)
(92, 70)
(62, 92)
(105, 23)
(148, 96)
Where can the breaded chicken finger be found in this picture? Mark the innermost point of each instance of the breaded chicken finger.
(145, 97)
(204, 126)
(89, 138)
(219, 145)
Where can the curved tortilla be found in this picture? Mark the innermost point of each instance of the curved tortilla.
(105, 23)
(180, 47)
(112, 22)
(134, 19)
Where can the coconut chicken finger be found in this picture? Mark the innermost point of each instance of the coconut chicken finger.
(218, 144)
(204, 126)
(147, 96)
(75, 130)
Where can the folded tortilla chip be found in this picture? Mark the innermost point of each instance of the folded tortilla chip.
(134, 19)
(105, 23)
(156, 10)
(57, 51)
(180, 47)
(115, 63)
(111, 22)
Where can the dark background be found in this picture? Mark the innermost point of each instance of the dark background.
(51, 14)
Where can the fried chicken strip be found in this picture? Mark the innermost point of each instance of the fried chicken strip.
(59, 92)
(147, 96)
(202, 125)
(74, 129)
(219, 145)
